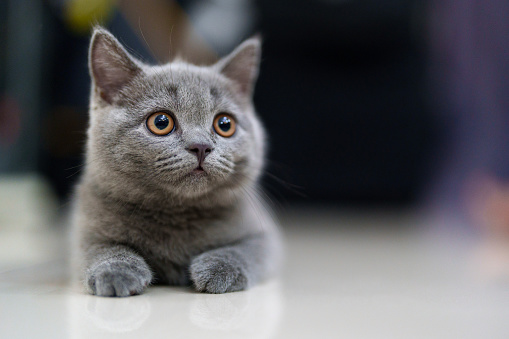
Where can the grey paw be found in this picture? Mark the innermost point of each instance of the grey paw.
(118, 278)
(218, 274)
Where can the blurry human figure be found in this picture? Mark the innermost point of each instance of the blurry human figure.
(470, 76)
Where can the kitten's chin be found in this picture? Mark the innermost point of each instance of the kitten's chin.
(199, 183)
(194, 183)
(199, 171)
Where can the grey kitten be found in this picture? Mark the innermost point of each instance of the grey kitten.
(169, 192)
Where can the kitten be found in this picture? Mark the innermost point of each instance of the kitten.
(170, 189)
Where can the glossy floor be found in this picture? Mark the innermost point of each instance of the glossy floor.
(348, 275)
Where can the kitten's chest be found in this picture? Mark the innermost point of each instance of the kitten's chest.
(177, 237)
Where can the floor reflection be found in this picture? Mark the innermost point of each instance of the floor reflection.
(161, 310)
(254, 313)
(122, 315)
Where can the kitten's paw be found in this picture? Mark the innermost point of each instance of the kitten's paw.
(118, 278)
(217, 274)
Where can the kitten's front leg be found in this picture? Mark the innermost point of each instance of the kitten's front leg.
(115, 270)
(234, 267)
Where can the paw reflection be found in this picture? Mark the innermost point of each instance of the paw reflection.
(253, 314)
(92, 314)
(118, 315)
(249, 314)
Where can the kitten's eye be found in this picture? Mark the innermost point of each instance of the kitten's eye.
(160, 123)
(224, 125)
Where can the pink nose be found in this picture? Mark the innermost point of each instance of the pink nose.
(201, 151)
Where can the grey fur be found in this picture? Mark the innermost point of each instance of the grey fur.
(139, 216)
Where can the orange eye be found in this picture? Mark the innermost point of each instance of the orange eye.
(224, 125)
(160, 123)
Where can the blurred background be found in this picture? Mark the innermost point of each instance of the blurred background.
(400, 103)
(388, 164)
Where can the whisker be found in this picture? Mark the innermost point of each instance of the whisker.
(290, 187)
(158, 159)
(229, 170)
(73, 167)
(168, 164)
(226, 162)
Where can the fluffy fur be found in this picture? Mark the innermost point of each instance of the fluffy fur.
(140, 215)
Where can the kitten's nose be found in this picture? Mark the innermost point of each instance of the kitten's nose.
(201, 151)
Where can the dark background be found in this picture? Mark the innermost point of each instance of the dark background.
(342, 92)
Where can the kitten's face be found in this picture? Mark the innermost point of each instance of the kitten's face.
(133, 107)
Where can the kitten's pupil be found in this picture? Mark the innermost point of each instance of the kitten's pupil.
(224, 124)
(161, 121)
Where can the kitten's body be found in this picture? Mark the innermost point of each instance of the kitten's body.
(142, 215)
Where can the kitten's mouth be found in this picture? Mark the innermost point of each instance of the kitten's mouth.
(198, 170)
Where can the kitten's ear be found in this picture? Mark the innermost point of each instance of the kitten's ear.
(111, 66)
(242, 64)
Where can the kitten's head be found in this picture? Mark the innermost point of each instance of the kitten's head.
(179, 128)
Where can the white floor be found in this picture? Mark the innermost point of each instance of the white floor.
(347, 276)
